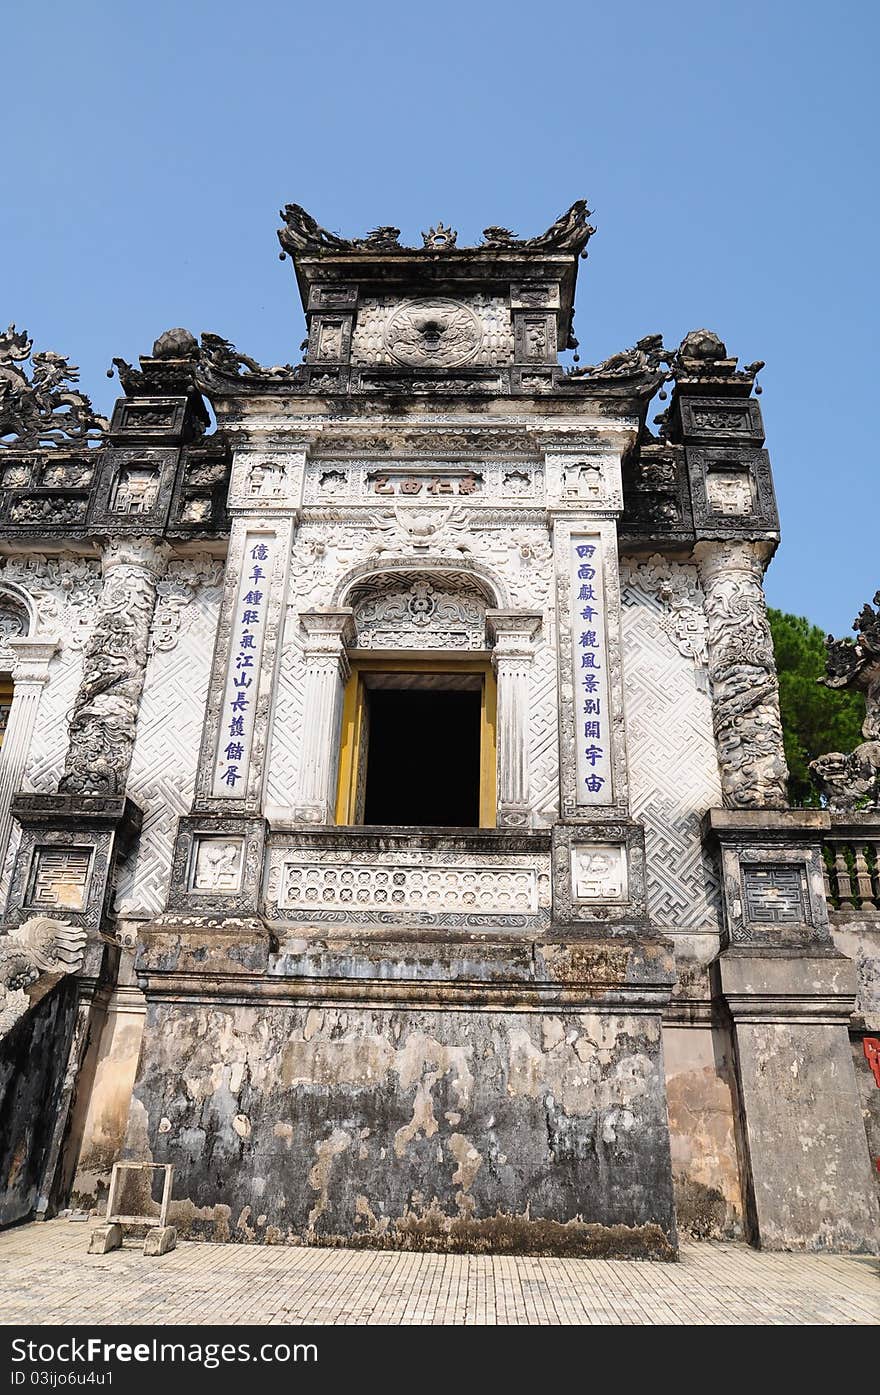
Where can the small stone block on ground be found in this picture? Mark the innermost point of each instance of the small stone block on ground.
(105, 1238)
(159, 1240)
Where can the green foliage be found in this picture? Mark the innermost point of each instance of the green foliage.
(815, 719)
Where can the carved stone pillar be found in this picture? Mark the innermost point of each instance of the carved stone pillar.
(30, 674)
(512, 633)
(102, 727)
(742, 673)
(327, 669)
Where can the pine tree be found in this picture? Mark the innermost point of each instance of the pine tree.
(815, 719)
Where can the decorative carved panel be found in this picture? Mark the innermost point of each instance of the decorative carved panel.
(393, 887)
(598, 872)
(135, 489)
(420, 886)
(729, 491)
(217, 864)
(59, 877)
(163, 767)
(433, 332)
(374, 483)
(773, 894)
(420, 617)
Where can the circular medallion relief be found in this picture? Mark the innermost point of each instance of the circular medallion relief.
(433, 333)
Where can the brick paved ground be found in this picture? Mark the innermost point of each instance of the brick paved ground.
(47, 1277)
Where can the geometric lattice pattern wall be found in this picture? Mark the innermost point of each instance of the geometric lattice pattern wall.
(544, 736)
(163, 767)
(287, 719)
(673, 767)
(49, 741)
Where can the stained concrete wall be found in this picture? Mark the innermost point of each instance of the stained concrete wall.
(33, 1059)
(420, 1129)
(106, 1107)
(700, 1086)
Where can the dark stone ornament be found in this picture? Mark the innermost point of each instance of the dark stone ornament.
(45, 409)
(702, 358)
(302, 235)
(850, 781)
(217, 355)
(498, 237)
(440, 238)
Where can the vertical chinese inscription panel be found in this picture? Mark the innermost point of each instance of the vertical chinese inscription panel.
(236, 731)
(590, 662)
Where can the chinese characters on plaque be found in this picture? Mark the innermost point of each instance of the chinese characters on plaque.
(243, 671)
(389, 482)
(592, 718)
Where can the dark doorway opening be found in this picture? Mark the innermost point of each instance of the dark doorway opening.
(423, 758)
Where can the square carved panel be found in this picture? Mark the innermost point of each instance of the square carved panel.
(59, 877)
(599, 872)
(217, 864)
(773, 894)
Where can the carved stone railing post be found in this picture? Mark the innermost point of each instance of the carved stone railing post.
(512, 634)
(30, 674)
(742, 674)
(102, 727)
(328, 631)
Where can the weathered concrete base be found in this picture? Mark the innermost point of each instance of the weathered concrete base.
(430, 1231)
(810, 1181)
(104, 1239)
(159, 1239)
(490, 1124)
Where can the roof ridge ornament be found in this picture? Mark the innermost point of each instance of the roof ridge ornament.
(45, 409)
(303, 235)
(440, 238)
(181, 364)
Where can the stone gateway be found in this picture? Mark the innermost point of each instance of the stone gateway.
(393, 818)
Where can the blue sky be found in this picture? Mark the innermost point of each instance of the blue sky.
(728, 150)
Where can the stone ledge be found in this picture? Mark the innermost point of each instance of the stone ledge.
(78, 809)
(182, 962)
(777, 986)
(379, 838)
(766, 823)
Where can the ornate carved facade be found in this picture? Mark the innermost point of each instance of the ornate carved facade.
(402, 762)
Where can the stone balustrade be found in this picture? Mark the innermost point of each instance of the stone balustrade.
(852, 863)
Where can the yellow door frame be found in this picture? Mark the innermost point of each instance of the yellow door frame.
(353, 716)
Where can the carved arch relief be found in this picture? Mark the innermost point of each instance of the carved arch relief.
(18, 618)
(443, 573)
(419, 611)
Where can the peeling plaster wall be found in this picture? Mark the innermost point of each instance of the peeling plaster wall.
(700, 1098)
(415, 1129)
